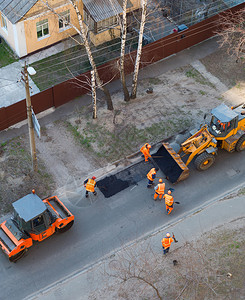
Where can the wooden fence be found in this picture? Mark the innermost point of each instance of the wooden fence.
(68, 90)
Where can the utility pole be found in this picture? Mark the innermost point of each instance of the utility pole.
(29, 117)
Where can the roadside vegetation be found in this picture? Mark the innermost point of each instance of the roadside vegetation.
(73, 62)
(212, 267)
(16, 176)
(6, 54)
(193, 73)
(124, 139)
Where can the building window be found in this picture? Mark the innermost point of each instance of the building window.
(64, 19)
(107, 23)
(4, 23)
(42, 28)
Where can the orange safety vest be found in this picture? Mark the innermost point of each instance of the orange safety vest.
(90, 185)
(152, 172)
(166, 242)
(145, 150)
(222, 124)
(160, 188)
(169, 200)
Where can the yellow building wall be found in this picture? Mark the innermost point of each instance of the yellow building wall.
(104, 36)
(136, 5)
(38, 13)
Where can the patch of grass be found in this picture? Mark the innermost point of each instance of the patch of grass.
(202, 93)
(84, 141)
(193, 73)
(155, 81)
(238, 86)
(73, 61)
(241, 191)
(124, 139)
(6, 54)
(19, 178)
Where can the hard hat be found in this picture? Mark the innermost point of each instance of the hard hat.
(169, 192)
(93, 177)
(33, 191)
(160, 180)
(148, 146)
(167, 234)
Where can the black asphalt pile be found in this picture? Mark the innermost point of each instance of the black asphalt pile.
(167, 164)
(113, 184)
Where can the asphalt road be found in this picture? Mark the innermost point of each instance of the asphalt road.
(108, 223)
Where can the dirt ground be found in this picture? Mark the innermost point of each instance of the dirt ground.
(215, 269)
(72, 149)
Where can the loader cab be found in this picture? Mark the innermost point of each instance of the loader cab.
(223, 121)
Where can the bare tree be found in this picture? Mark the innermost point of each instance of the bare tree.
(83, 34)
(137, 267)
(139, 50)
(122, 57)
(146, 272)
(232, 33)
(93, 89)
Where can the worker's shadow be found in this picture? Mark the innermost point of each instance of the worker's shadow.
(89, 201)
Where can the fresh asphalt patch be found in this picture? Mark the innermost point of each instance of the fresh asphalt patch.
(113, 184)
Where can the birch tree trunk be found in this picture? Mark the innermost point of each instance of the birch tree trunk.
(139, 50)
(122, 57)
(93, 89)
(90, 57)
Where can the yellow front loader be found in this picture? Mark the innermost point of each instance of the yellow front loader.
(225, 131)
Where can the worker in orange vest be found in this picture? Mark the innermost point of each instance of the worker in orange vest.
(159, 189)
(221, 125)
(146, 151)
(151, 175)
(169, 201)
(167, 241)
(90, 184)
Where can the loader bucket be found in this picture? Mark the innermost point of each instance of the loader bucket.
(170, 163)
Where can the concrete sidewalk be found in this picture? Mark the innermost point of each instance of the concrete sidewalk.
(12, 90)
(216, 213)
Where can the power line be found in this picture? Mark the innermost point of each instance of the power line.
(101, 55)
(165, 44)
(97, 57)
(119, 42)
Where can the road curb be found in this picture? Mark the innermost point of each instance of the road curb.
(144, 237)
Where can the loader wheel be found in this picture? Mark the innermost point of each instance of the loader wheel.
(67, 227)
(240, 145)
(204, 161)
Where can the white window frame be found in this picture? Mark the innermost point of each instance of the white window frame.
(4, 24)
(65, 24)
(107, 24)
(41, 24)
